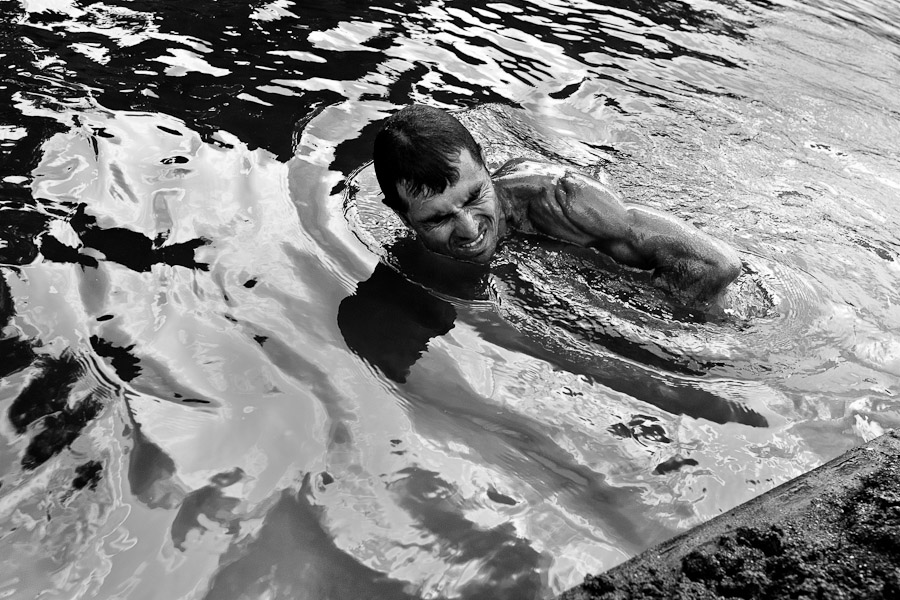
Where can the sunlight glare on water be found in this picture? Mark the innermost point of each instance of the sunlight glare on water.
(226, 371)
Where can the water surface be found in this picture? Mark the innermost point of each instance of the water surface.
(225, 372)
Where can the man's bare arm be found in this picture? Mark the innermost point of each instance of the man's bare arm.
(575, 208)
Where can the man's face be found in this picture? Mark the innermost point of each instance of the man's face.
(465, 221)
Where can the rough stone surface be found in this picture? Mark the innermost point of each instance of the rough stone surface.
(833, 533)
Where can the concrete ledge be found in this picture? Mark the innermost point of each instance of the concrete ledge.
(831, 533)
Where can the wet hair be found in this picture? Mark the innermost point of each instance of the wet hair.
(418, 147)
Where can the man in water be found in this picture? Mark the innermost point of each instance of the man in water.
(433, 176)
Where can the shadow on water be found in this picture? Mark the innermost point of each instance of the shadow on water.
(510, 563)
(46, 399)
(151, 472)
(390, 320)
(15, 353)
(51, 415)
(117, 244)
(293, 556)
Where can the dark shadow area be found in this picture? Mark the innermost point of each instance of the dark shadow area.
(151, 472)
(19, 228)
(45, 401)
(294, 556)
(390, 320)
(19, 156)
(15, 354)
(124, 246)
(643, 429)
(242, 91)
(674, 464)
(126, 365)
(390, 324)
(588, 29)
(88, 475)
(243, 57)
(510, 567)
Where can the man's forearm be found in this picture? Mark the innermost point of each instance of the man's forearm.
(683, 258)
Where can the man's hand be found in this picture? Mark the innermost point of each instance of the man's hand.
(572, 207)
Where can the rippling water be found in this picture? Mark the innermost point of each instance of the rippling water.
(225, 372)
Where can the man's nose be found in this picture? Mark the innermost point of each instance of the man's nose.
(466, 226)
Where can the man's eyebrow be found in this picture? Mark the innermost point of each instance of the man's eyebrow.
(436, 216)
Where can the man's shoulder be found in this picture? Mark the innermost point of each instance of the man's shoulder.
(523, 164)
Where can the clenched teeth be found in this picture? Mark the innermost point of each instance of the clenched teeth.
(474, 242)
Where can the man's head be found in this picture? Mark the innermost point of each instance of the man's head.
(433, 176)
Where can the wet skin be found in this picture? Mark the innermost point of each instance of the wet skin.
(467, 220)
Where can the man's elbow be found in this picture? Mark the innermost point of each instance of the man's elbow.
(724, 269)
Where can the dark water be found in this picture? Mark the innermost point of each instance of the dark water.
(214, 382)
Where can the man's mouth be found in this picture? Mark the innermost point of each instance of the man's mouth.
(472, 246)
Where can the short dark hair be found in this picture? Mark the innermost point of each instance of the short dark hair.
(418, 147)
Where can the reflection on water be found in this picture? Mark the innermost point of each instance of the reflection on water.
(389, 321)
(226, 372)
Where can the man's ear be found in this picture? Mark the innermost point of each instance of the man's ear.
(480, 153)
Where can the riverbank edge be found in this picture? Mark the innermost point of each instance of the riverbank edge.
(810, 510)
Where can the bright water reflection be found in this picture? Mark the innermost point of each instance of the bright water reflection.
(215, 383)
